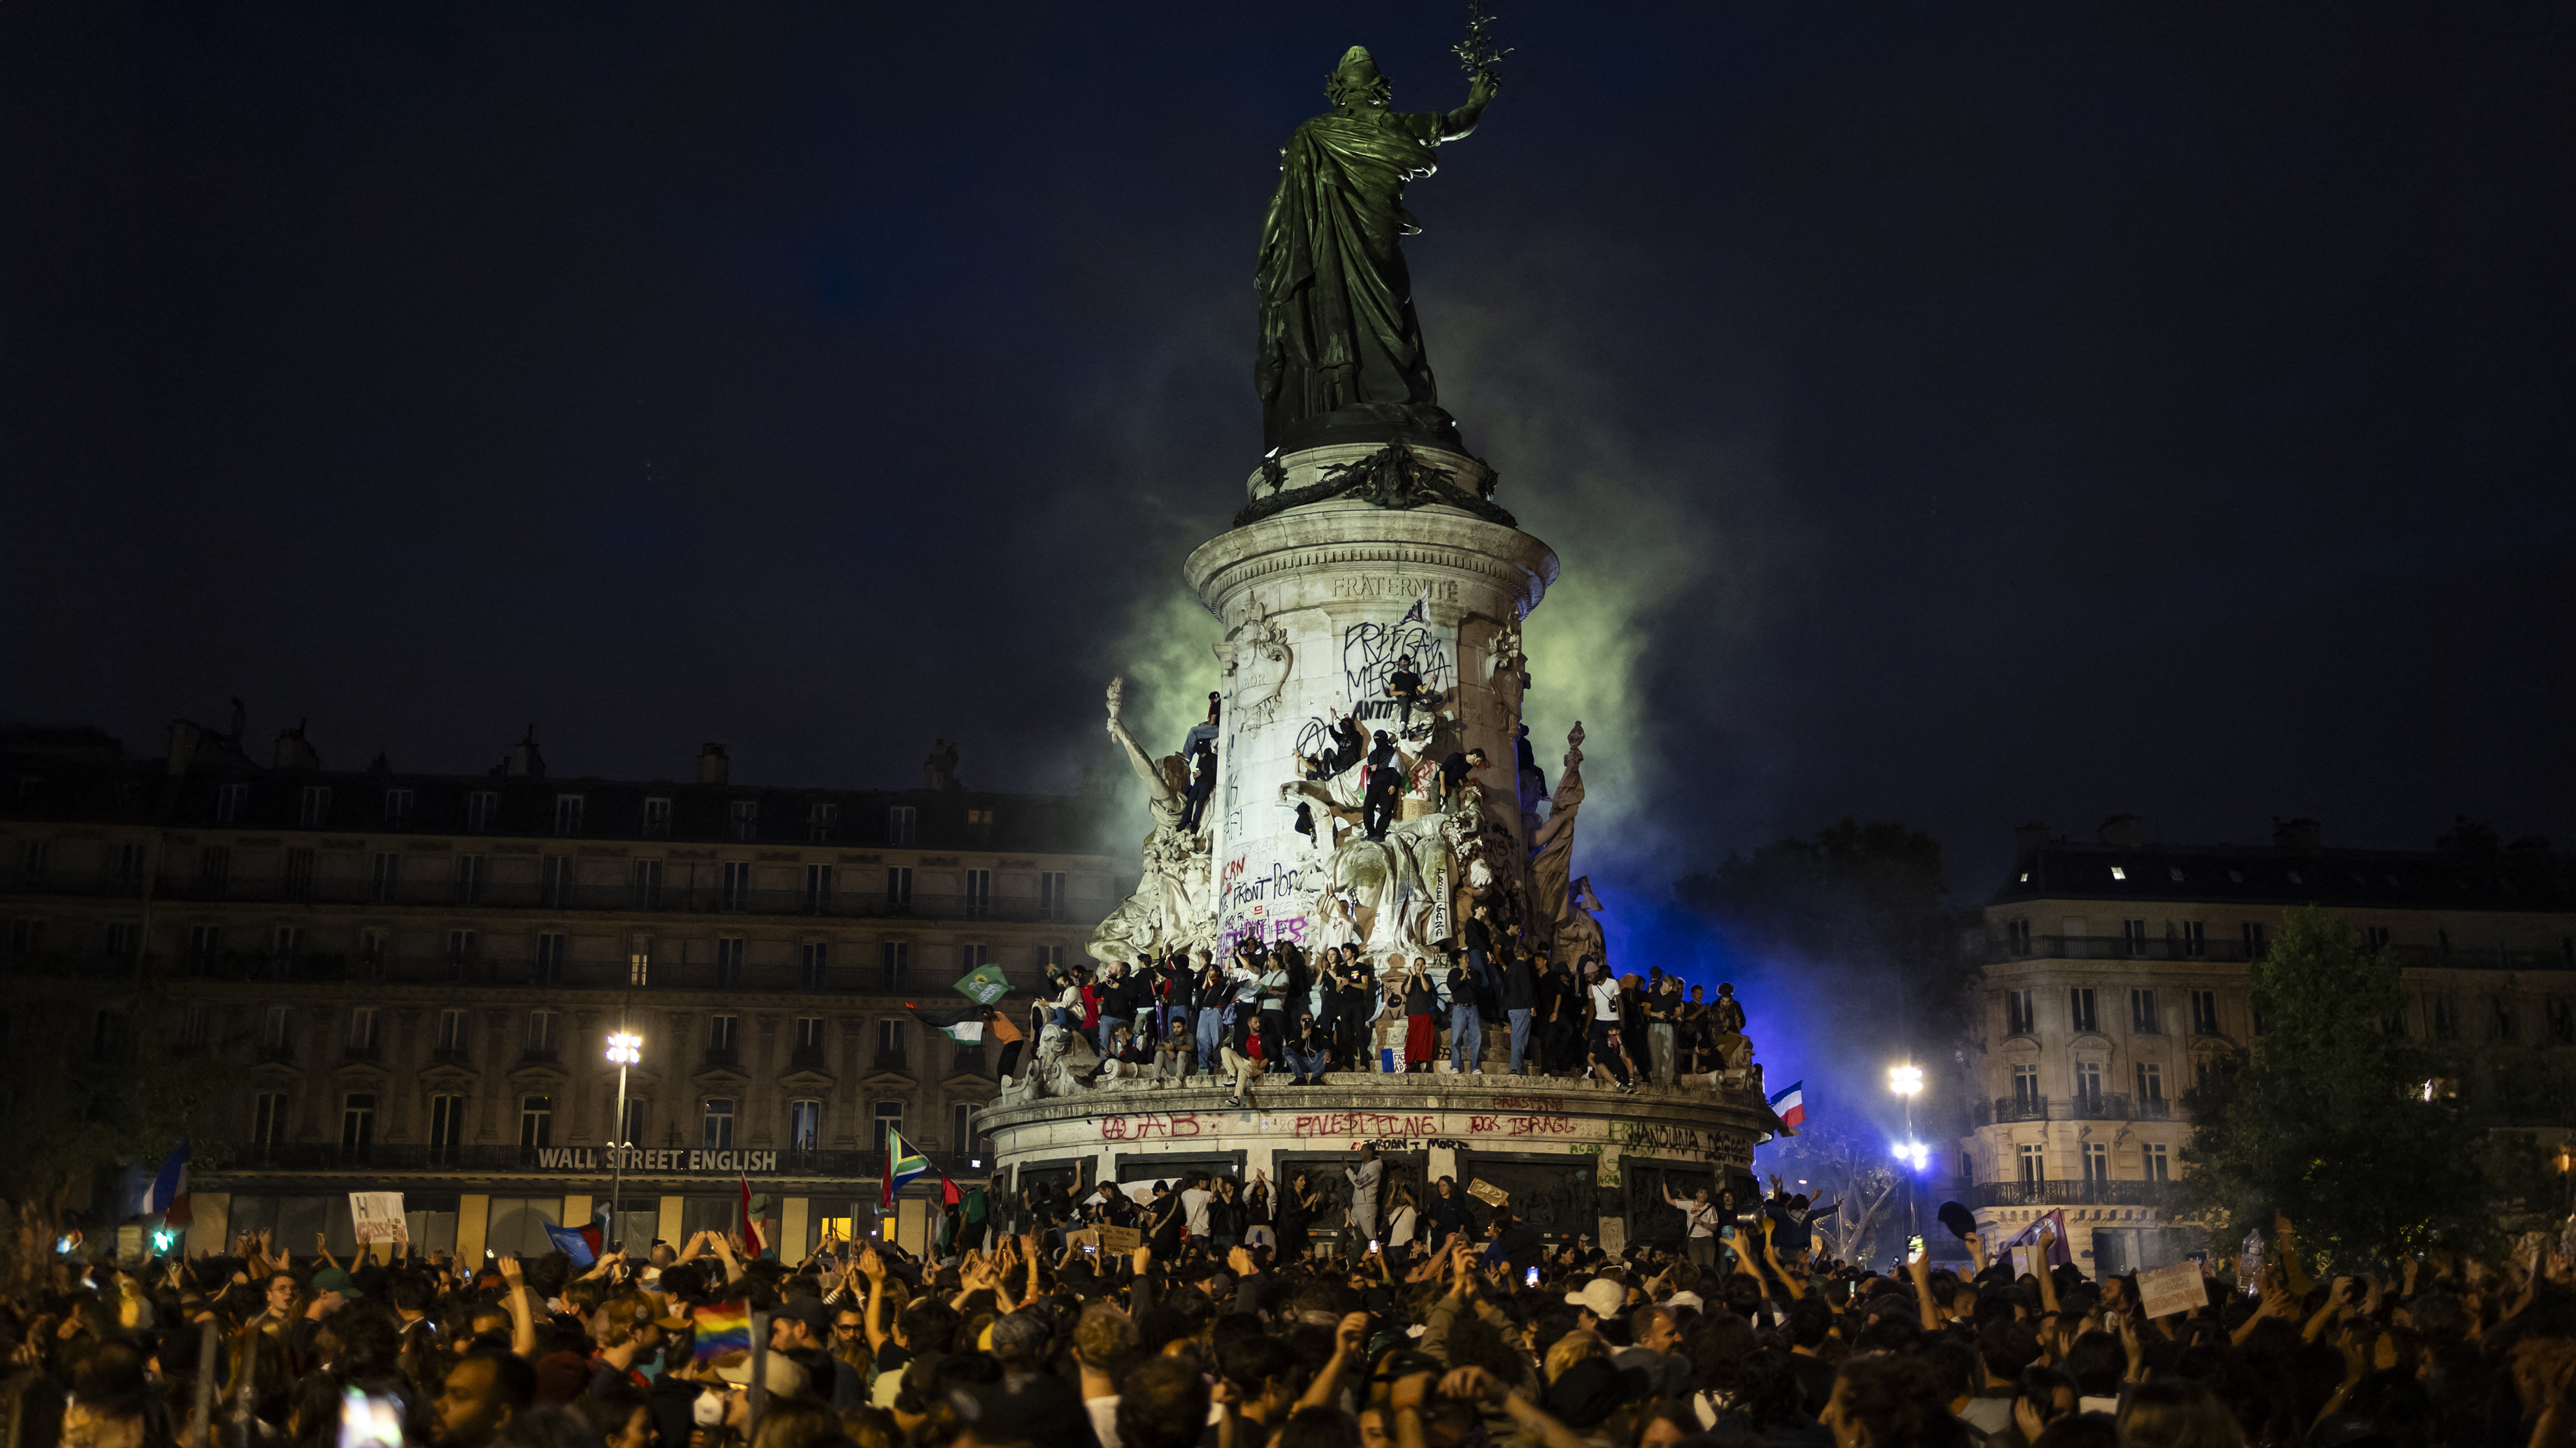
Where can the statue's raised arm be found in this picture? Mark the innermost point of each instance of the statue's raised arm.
(1161, 795)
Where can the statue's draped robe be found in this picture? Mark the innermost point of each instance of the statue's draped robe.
(1337, 325)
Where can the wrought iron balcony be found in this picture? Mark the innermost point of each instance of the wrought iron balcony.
(2074, 1194)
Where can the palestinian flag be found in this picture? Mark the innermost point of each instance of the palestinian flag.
(902, 1165)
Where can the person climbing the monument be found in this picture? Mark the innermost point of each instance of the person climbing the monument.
(1363, 1175)
(1203, 732)
(1404, 686)
(1385, 781)
(1202, 785)
(1455, 769)
(1349, 742)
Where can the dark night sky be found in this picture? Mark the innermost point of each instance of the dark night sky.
(1958, 414)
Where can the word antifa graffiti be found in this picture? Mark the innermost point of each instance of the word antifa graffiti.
(588, 1158)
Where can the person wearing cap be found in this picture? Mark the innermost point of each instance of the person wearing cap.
(802, 1325)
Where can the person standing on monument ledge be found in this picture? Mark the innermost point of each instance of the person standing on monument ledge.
(1338, 335)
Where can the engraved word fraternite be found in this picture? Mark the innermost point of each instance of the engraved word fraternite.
(1340, 356)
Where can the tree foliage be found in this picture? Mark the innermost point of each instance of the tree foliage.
(2334, 1120)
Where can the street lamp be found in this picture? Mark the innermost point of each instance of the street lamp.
(1907, 1081)
(626, 1049)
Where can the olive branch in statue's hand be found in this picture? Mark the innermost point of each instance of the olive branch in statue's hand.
(1476, 53)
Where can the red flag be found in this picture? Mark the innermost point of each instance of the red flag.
(885, 1179)
(750, 1229)
(949, 1196)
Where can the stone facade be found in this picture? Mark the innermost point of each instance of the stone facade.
(415, 973)
(2117, 975)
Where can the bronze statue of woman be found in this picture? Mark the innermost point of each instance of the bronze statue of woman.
(1340, 357)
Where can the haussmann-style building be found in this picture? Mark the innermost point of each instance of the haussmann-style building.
(416, 975)
(2117, 975)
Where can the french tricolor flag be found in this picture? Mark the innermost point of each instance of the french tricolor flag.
(167, 1197)
(1789, 1103)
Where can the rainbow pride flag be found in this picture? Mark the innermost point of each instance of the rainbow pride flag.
(723, 1327)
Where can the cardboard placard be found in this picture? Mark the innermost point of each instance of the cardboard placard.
(378, 1217)
(2164, 1291)
(1120, 1240)
(1614, 1235)
(2028, 1262)
(1488, 1193)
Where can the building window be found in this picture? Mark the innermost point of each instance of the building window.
(720, 1033)
(973, 957)
(2195, 938)
(2446, 1017)
(657, 819)
(2088, 1080)
(268, 1118)
(119, 939)
(894, 965)
(648, 884)
(2142, 1013)
(2562, 1021)
(889, 1043)
(1050, 955)
(104, 1027)
(889, 1117)
(362, 1031)
(568, 815)
(2158, 1167)
(2204, 1013)
(961, 1131)
(715, 1130)
(729, 960)
(2508, 1020)
(469, 879)
(2017, 937)
(2097, 1162)
(630, 1129)
(446, 1128)
(2377, 935)
(809, 1033)
(2025, 1084)
(804, 1125)
(815, 956)
(299, 873)
(129, 866)
(541, 1033)
(745, 816)
(287, 942)
(821, 818)
(736, 885)
(358, 1121)
(979, 894)
(482, 811)
(557, 887)
(2257, 942)
(214, 868)
(2151, 1082)
(460, 946)
(26, 937)
(196, 1024)
(229, 800)
(898, 887)
(1051, 903)
(639, 961)
(2133, 934)
(277, 1030)
(2080, 1012)
(550, 958)
(536, 1121)
(452, 1030)
(818, 889)
(314, 807)
(397, 808)
(899, 822)
(33, 857)
(980, 817)
(2017, 1013)
(2034, 1167)
(2203, 1071)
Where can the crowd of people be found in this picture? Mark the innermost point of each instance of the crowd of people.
(1278, 1009)
(1198, 1339)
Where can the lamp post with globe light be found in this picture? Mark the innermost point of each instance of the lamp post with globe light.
(625, 1048)
(1907, 1081)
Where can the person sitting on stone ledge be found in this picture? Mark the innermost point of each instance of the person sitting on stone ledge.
(1310, 1054)
(1404, 686)
(1172, 1056)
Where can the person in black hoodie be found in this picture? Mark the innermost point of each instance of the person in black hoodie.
(1385, 786)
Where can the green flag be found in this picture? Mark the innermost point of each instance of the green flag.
(983, 985)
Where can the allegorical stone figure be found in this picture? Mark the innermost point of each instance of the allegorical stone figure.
(1340, 349)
